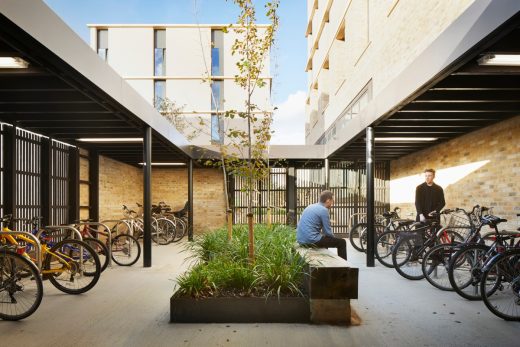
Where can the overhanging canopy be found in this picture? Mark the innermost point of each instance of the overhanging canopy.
(424, 106)
(67, 92)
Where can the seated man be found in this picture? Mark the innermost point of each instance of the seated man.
(314, 226)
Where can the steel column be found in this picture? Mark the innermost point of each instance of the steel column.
(147, 197)
(9, 155)
(93, 178)
(291, 196)
(190, 200)
(370, 196)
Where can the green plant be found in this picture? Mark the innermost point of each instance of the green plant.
(223, 267)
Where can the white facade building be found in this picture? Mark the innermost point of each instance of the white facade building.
(357, 47)
(183, 63)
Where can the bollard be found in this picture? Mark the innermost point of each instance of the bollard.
(269, 217)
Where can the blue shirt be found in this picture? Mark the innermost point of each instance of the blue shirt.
(314, 219)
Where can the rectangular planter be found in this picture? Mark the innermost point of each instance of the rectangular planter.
(240, 310)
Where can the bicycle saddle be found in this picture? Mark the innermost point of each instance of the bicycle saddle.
(492, 220)
(406, 222)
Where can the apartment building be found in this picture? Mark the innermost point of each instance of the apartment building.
(357, 47)
(189, 65)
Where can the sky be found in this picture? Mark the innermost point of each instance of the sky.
(288, 56)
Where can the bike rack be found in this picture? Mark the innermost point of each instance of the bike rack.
(37, 248)
(130, 229)
(107, 233)
(65, 227)
(351, 218)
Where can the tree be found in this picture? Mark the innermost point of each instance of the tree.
(245, 150)
(252, 47)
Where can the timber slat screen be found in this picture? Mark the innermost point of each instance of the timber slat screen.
(309, 184)
(270, 191)
(27, 202)
(347, 180)
(34, 177)
(60, 183)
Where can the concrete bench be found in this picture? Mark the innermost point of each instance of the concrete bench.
(331, 283)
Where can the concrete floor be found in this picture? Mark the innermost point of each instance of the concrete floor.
(130, 307)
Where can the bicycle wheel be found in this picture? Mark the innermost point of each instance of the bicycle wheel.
(354, 236)
(126, 250)
(407, 257)
(164, 233)
(436, 263)
(72, 266)
(363, 238)
(465, 270)
(21, 288)
(384, 246)
(503, 298)
(180, 229)
(101, 250)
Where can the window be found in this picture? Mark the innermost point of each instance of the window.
(159, 93)
(102, 44)
(160, 52)
(217, 43)
(216, 94)
(217, 129)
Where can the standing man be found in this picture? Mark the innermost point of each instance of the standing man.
(429, 197)
(314, 226)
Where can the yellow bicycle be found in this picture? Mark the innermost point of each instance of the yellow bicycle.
(72, 266)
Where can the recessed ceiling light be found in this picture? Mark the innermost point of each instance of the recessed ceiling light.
(500, 60)
(165, 164)
(113, 139)
(13, 63)
(405, 139)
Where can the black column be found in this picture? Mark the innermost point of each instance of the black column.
(46, 182)
(190, 200)
(147, 198)
(93, 187)
(370, 196)
(291, 196)
(73, 194)
(10, 156)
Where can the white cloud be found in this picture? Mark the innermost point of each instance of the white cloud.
(289, 121)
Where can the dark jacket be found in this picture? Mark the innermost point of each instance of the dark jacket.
(428, 199)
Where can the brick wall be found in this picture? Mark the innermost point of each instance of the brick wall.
(171, 186)
(482, 167)
(120, 184)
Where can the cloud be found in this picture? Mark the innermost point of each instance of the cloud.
(289, 121)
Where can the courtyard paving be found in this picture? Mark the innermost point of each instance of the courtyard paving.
(130, 307)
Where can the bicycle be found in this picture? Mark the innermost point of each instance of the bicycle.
(437, 260)
(500, 284)
(125, 249)
(386, 240)
(465, 269)
(72, 266)
(21, 287)
(179, 219)
(358, 234)
(163, 230)
(410, 248)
